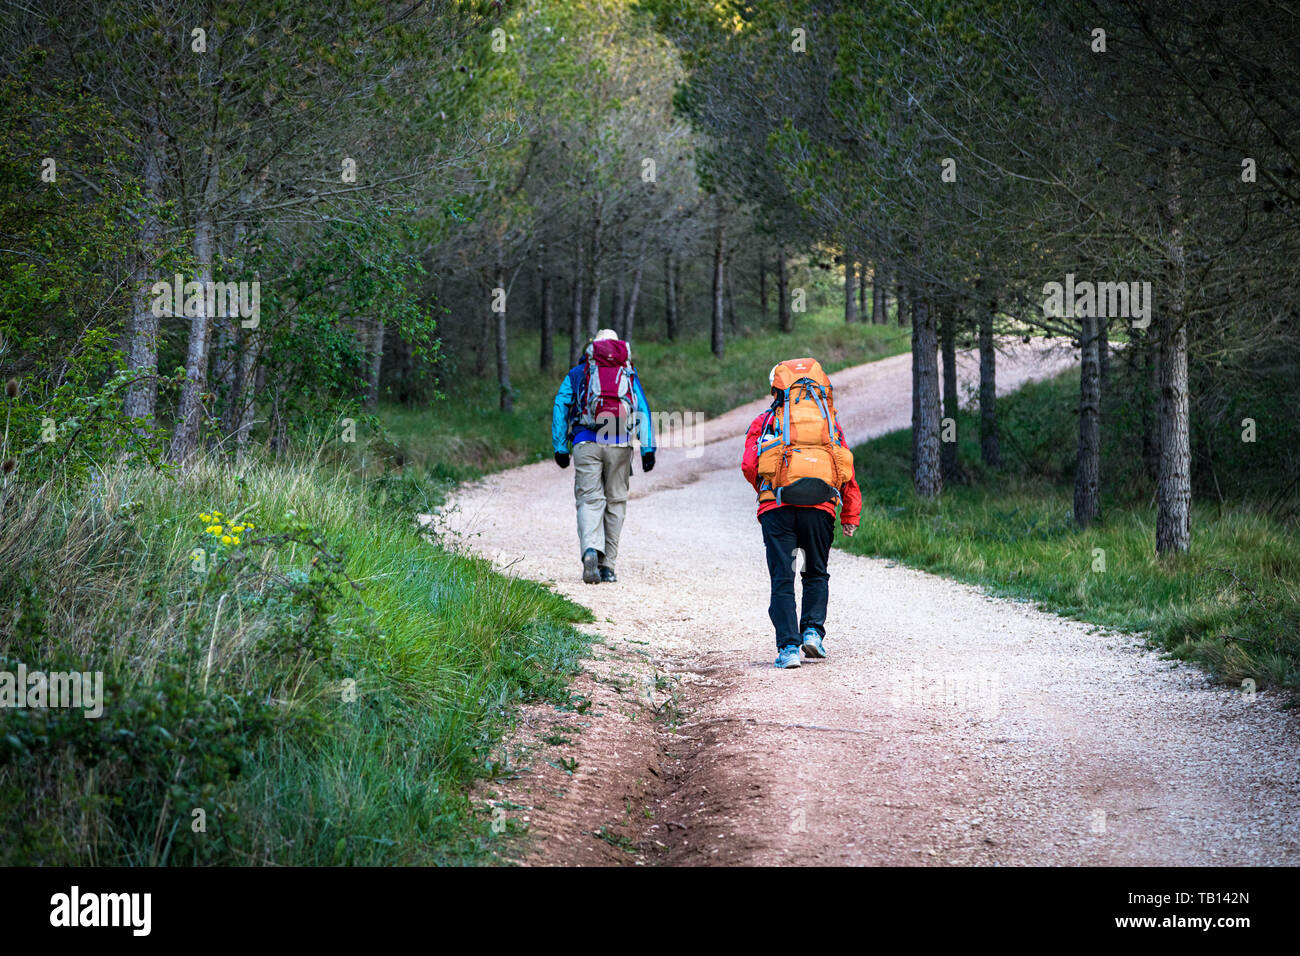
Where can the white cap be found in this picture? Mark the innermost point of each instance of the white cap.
(606, 334)
(771, 376)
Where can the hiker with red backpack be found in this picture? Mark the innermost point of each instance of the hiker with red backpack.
(599, 408)
(796, 459)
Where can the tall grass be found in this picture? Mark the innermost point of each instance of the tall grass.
(324, 692)
(1232, 603)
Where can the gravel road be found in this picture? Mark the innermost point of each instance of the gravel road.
(945, 728)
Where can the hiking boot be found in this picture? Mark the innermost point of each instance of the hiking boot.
(590, 571)
(788, 656)
(607, 575)
(812, 643)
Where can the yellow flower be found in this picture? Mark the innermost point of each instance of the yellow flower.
(250, 527)
(236, 528)
(236, 539)
(216, 514)
(225, 539)
(215, 529)
(206, 518)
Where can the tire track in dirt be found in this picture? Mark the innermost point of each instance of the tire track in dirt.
(946, 727)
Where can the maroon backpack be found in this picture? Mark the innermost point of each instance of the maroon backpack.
(607, 388)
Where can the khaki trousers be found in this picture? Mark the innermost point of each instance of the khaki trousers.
(600, 482)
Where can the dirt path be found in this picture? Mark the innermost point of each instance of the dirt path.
(946, 727)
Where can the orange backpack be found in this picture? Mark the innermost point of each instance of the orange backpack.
(800, 458)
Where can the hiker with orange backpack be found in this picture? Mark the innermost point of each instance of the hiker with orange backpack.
(599, 408)
(796, 459)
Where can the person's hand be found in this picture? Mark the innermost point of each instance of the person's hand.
(647, 461)
(562, 459)
(849, 529)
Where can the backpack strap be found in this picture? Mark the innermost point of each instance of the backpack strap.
(766, 439)
(819, 397)
(576, 401)
(785, 419)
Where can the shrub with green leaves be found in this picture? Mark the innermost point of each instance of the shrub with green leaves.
(324, 690)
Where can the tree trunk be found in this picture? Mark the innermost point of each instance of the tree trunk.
(618, 301)
(900, 295)
(670, 298)
(375, 364)
(486, 330)
(546, 357)
(1149, 396)
(223, 356)
(1103, 352)
(862, 291)
(593, 307)
(1173, 480)
(877, 295)
(717, 342)
(503, 350)
(225, 363)
(593, 280)
(948, 341)
(629, 318)
(576, 339)
(679, 287)
(731, 297)
(990, 449)
(249, 338)
(916, 399)
(1087, 461)
(249, 365)
(850, 290)
(142, 397)
(927, 476)
(784, 321)
(185, 438)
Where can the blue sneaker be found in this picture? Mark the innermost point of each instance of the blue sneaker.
(788, 656)
(812, 643)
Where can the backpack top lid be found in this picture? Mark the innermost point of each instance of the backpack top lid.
(610, 352)
(791, 370)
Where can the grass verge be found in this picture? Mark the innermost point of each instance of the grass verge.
(320, 688)
(1231, 604)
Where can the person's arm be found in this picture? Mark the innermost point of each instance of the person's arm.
(560, 417)
(645, 429)
(850, 498)
(850, 506)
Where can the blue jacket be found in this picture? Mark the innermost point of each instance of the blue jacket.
(565, 410)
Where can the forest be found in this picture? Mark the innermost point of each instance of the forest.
(292, 271)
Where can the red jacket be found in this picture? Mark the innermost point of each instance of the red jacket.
(850, 493)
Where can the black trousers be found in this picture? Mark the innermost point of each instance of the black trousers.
(785, 531)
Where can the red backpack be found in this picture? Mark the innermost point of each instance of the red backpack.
(606, 399)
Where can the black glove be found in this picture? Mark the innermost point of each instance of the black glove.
(562, 459)
(647, 461)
